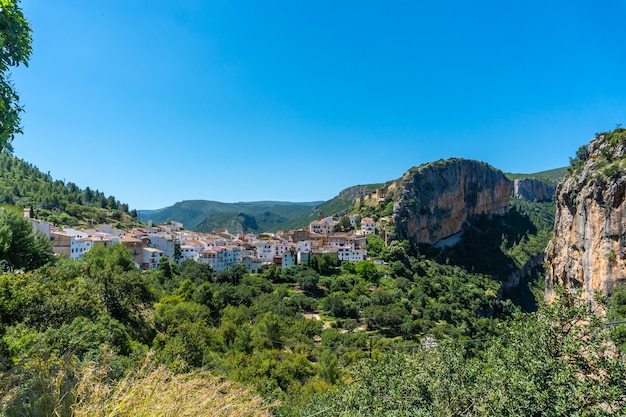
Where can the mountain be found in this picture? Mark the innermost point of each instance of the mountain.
(436, 200)
(588, 251)
(204, 216)
(256, 217)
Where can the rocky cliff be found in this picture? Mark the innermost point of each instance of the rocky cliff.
(588, 251)
(436, 200)
(532, 189)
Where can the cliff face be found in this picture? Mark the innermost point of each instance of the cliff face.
(439, 198)
(533, 189)
(589, 246)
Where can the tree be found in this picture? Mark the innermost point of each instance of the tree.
(15, 49)
(329, 366)
(367, 270)
(559, 361)
(376, 246)
(124, 291)
(344, 224)
(20, 247)
(307, 280)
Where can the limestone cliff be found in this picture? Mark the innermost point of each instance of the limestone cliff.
(532, 189)
(438, 199)
(588, 250)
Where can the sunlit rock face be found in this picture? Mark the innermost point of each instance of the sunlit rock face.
(438, 199)
(588, 250)
(533, 190)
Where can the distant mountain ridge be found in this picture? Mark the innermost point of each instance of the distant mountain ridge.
(253, 217)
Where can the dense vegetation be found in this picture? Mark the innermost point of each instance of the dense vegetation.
(409, 337)
(55, 201)
(552, 363)
(495, 246)
(255, 329)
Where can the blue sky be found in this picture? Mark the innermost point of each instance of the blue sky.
(161, 101)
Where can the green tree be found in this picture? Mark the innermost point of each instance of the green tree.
(367, 270)
(329, 366)
(124, 291)
(15, 49)
(324, 264)
(375, 246)
(556, 362)
(343, 225)
(307, 280)
(20, 246)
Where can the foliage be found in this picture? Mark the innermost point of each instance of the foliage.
(20, 246)
(15, 44)
(58, 202)
(324, 264)
(343, 225)
(375, 246)
(555, 362)
(606, 163)
(616, 312)
(577, 162)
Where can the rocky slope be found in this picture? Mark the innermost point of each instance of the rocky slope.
(588, 251)
(438, 199)
(532, 189)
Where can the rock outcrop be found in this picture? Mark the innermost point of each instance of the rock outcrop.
(438, 199)
(532, 189)
(588, 251)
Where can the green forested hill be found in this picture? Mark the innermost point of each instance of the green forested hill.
(551, 176)
(24, 185)
(256, 217)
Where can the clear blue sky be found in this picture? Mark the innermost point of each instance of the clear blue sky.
(161, 101)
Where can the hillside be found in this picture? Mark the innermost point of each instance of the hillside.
(551, 176)
(257, 217)
(24, 185)
(254, 217)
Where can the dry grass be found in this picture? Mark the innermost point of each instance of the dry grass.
(157, 391)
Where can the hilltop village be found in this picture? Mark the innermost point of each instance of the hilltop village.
(219, 249)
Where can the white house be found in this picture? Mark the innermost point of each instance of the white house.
(189, 252)
(321, 227)
(221, 258)
(287, 260)
(303, 246)
(368, 226)
(151, 258)
(337, 240)
(281, 247)
(252, 265)
(265, 251)
(164, 243)
(348, 254)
